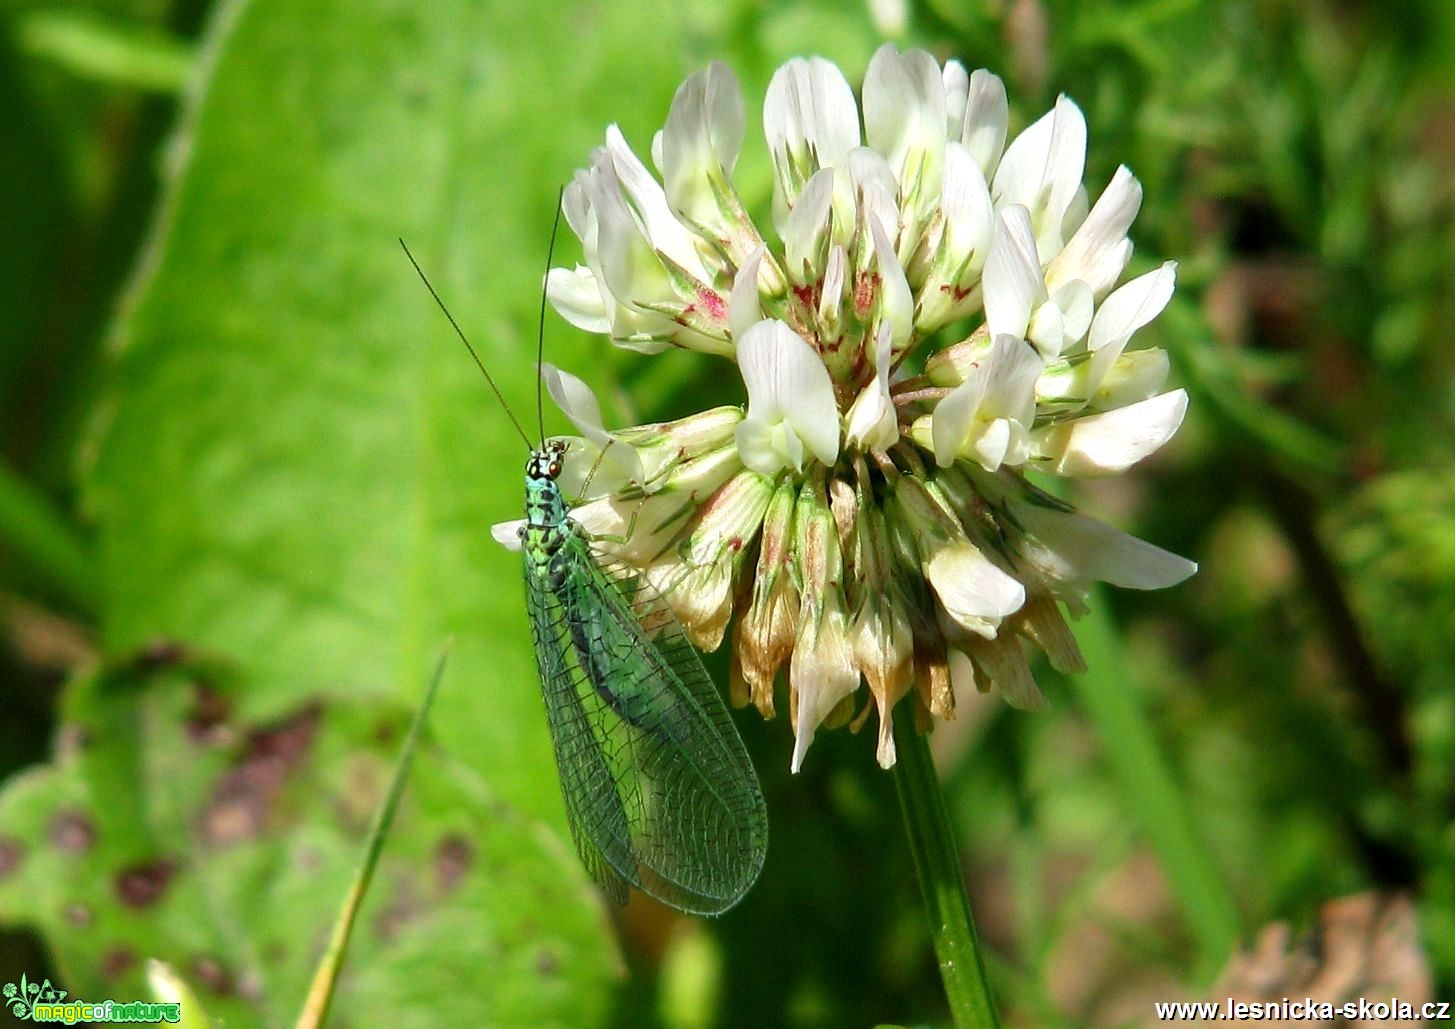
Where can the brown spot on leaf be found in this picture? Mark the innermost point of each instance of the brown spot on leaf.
(117, 961)
(160, 653)
(72, 832)
(246, 795)
(398, 913)
(11, 853)
(547, 964)
(211, 974)
(79, 915)
(142, 885)
(453, 857)
(206, 723)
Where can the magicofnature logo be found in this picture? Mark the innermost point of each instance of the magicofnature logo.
(42, 1002)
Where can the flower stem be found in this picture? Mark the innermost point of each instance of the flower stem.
(936, 862)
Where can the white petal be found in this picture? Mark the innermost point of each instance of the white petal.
(1082, 549)
(745, 306)
(755, 445)
(969, 218)
(896, 302)
(704, 133)
(904, 114)
(1047, 330)
(578, 403)
(872, 422)
(1013, 285)
(1131, 307)
(986, 115)
(1042, 170)
(507, 534)
(1136, 375)
(831, 289)
(1113, 441)
(664, 232)
(1099, 250)
(992, 445)
(787, 382)
(1124, 312)
(629, 267)
(806, 231)
(1077, 303)
(872, 194)
(576, 206)
(576, 296)
(821, 670)
(972, 590)
(969, 215)
(1010, 372)
(586, 474)
(957, 92)
(953, 418)
(810, 120)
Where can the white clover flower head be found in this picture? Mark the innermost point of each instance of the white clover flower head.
(866, 518)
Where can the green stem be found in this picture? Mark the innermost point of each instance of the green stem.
(936, 862)
(325, 977)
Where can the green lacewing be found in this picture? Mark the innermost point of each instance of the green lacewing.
(659, 790)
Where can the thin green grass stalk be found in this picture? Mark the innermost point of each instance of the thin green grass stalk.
(1151, 791)
(325, 979)
(937, 863)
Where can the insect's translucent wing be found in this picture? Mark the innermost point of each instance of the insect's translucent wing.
(651, 764)
(594, 809)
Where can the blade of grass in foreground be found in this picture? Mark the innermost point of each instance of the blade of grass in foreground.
(325, 979)
(1152, 791)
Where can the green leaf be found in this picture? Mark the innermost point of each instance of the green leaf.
(301, 465)
(295, 468)
(169, 829)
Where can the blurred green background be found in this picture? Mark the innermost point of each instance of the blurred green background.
(246, 480)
